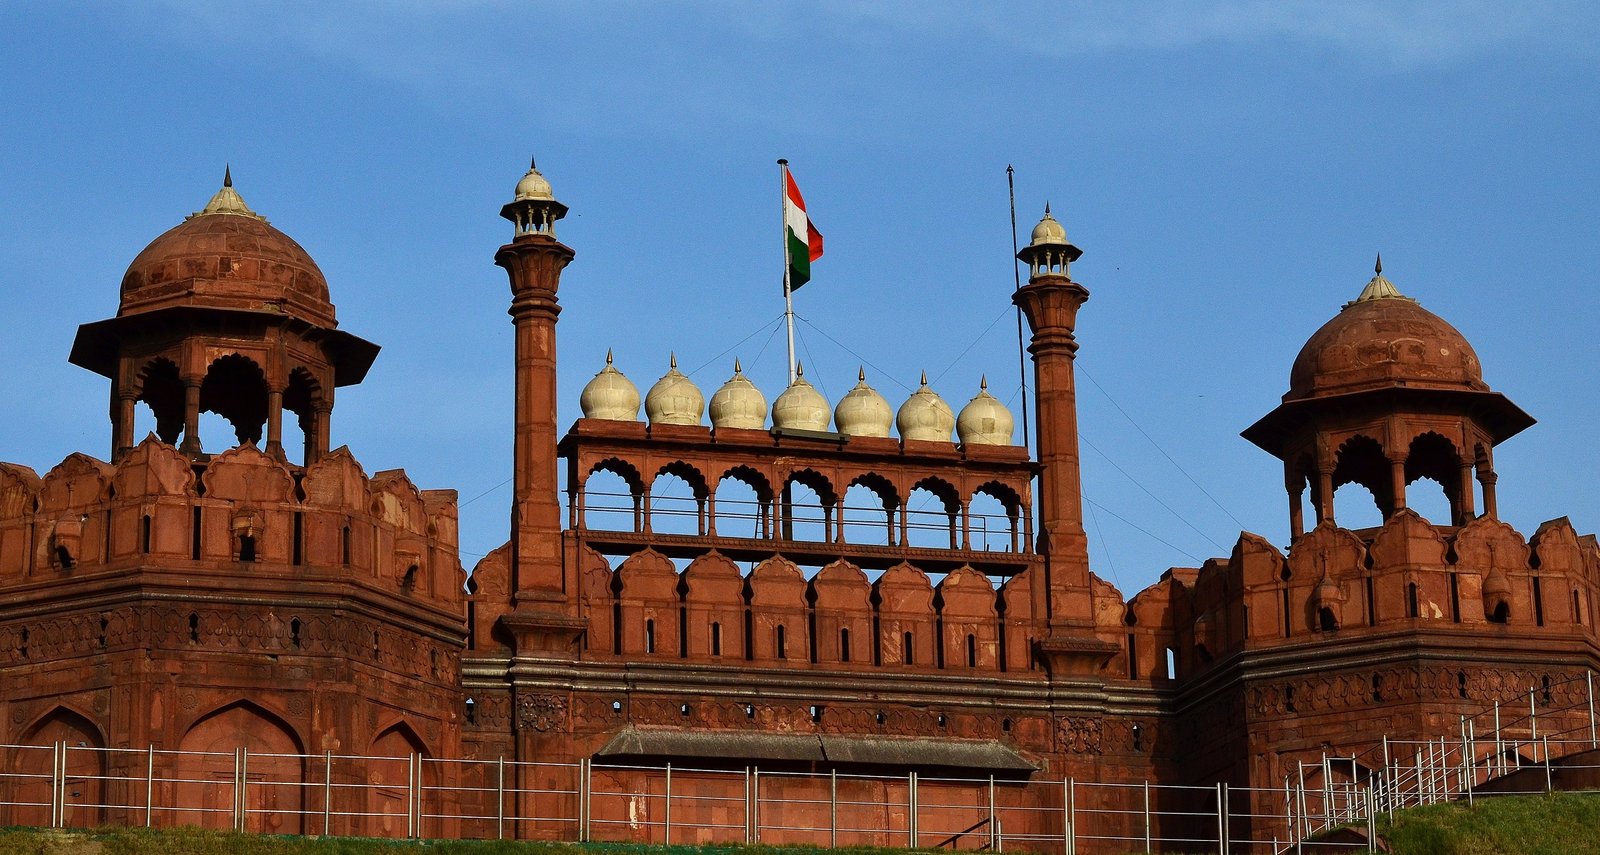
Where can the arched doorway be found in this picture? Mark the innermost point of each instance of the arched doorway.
(273, 771)
(391, 774)
(84, 781)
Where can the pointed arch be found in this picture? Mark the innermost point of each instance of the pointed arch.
(160, 388)
(276, 769)
(86, 767)
(388, 771)
(235, 388)
(1361, 460)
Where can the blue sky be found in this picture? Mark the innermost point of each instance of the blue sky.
(1229, 169)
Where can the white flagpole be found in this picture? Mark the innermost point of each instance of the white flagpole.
(788, 296)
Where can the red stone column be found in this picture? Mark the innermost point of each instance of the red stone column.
(534, 263)
(1051, 302)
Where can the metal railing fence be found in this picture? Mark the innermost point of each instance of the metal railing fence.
(1495, 751)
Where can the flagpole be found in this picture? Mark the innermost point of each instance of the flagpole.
(1016, 276)
(788, 296)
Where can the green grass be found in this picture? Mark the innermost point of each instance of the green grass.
(1556, 824)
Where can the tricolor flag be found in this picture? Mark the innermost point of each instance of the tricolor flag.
(805, 242)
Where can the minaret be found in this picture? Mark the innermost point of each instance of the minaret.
(534, 260)
(1051, 301)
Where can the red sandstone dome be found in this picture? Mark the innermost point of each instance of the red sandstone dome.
(227, 256)
(1384, 339)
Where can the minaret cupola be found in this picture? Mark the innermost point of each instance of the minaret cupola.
(1049, 252)
(533, 206)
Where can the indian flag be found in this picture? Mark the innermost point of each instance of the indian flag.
(805, 242)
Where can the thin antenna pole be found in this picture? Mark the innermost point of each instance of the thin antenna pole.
(1016, 275)
(788, 296)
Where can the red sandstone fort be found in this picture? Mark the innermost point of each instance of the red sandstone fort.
(225, 636)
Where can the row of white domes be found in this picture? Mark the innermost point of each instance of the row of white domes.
(676, 400)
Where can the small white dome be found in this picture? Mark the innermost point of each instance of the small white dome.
(674, 400)
(1049, 230)
(862, 411)
(533, 187)
(610, 395)
(801, 406)
(738, 404)
(984, 420)
(925, 416)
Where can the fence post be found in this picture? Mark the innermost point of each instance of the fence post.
(327, 790)
(666, 832)
(500, 797)
(994, 840)
(1499, 746)
(1547, 781)
(586, 799)
(1222, 817)
(747, 805)
(1147, 816)
(833, 808)
(411, 793)
(57, 748)
(755, 789)
(1533, 718)
(1072, 817)
(911, 802)
(149, 782)
(1588, 679)
(238, 775)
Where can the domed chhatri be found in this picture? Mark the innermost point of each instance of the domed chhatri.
(1381, 339)
(925, 416)
(801, 406)
(227, 256)
(984, 420)
(862, 411)
(1049, 251)
(738, 404)
(1049, 230)
(610, 396)
(533, 206)
(674, 399)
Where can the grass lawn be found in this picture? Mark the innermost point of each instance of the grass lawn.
(1556, 824)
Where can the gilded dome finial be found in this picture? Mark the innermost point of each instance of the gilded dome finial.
(736, 368)
(861, 374)
(672, 359)
(1378, 288)
(227, 200)
(608, 356)
(924, 376)
(799, 368)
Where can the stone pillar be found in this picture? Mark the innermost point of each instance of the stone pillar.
(275, 421)
(191, 416)
(1466, 507)
(1397, 485)
(1324, 495)
(122, 440)
(1295, 483)
(534, 262)
(1051, 301)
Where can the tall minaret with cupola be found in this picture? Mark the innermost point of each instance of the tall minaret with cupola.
(534, 260)
(1051, 301)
